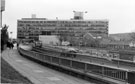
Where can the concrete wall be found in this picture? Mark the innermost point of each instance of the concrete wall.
(49, 39)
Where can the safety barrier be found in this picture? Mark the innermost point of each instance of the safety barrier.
(115, 75)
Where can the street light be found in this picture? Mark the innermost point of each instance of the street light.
(2, 6)
(11, 35)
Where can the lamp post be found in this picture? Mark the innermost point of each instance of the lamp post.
(2, 8)
(0, 15)
(11, 35)
(0, 19)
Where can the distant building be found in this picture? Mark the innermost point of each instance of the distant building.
(51, 40)
(121, 36)
(31, 28)
(114, 44)
(92, 36)
(132, 44)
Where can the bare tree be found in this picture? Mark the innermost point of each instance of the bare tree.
(65, 34)
(62, 36)
(4, 36)
(74, 41)
(91, 42)
(133, 35)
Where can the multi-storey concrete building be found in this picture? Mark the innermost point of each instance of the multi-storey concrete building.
(33, 27)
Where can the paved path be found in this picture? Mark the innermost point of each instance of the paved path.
(37, 73)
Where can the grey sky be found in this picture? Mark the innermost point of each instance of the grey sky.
(120, 13)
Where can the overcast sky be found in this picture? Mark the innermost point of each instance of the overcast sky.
(120, 13)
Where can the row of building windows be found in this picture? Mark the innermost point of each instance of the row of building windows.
(36, 30)
(84, 26)
(57, 32)
(62, 28)
(65, 25)
(70, 21)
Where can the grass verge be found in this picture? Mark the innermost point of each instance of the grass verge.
(10, 75)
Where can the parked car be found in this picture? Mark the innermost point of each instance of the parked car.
(72, 50)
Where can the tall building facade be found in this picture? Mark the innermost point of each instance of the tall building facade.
(31, 28)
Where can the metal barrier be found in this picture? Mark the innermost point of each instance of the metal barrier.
(119, 75)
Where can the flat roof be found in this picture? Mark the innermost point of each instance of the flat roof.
(63, 19)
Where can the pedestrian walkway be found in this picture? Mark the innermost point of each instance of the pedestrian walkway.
(37, 73)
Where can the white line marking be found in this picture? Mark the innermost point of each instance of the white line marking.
(27, 65)
(53, 78)
(38, 71)
(90, 83)
(19, 60)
